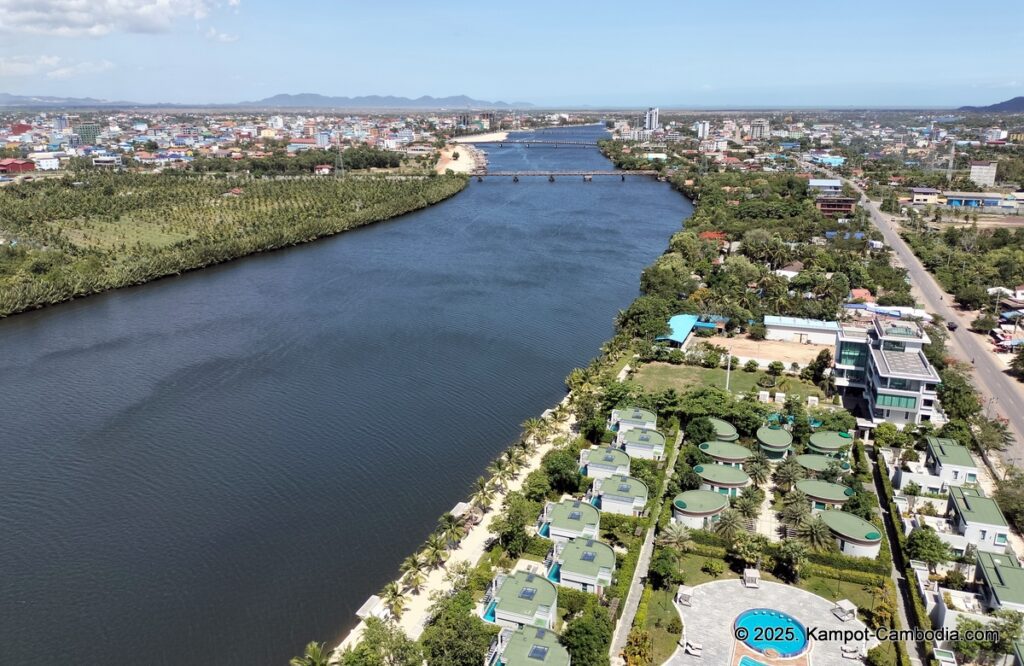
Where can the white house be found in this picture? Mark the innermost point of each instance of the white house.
(800, 330)
(521, 599)
(620, 494)
(642, 443)
(601, 462)
(582, 564)
(627, 418)
(946, 464)
(569, 519)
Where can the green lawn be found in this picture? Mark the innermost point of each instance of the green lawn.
(661, 376)
(660, 613)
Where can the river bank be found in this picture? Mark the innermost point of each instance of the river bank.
(129, 229)
(468, 160)
(489, 137)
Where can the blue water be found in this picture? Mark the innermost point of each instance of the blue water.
(772, 630)
(555, 574)
(169, 451)
(749, 661)
(489, 613)
(545, 529)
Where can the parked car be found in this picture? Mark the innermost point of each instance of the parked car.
(952, 325)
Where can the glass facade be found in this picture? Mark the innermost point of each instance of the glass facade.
(853, 354)
(896, 401)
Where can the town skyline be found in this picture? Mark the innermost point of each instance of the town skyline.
(216, 52)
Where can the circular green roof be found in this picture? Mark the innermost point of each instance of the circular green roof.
(724, 430)
(830, 440)
(851, 527)
(819, 463)
(700, 502)
(722, 475)
(830, 492)
(774, 437)
(725, 450)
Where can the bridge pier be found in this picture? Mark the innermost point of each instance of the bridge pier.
(515, 179)
(551, 179)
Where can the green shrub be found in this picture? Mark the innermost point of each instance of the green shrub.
(713, 568)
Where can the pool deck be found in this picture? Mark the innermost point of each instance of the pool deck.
(716, 605)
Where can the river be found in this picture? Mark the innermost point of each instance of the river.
(219, 467)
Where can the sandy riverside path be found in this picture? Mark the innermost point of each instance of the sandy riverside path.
(469, 159)
(470, 549)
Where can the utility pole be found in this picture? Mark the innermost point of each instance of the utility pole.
(339, 163)
(949, 167)
(728, 369)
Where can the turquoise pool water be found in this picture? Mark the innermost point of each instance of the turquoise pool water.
(545, 529)
(555, 574)
(747, 661)
(771, 632)
(489, 613)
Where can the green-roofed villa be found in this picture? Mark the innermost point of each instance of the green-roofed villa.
(949, 461)
(529, 646)
(600, 462)
(642, 443)
(698, 509)
(975, 519)
(521, 599)
(724, 431)
(722, 479)
(830, 443)
(726, 453)
(583, 564)
(627, 418)
(620, 494)
(569, 519)
(854, 535)
(816, 464)
(824, 495)
(1002, 581)
(774, 441)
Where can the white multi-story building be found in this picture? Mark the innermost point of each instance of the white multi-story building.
(946, 464)
(651, 119)
(884, 364)
(974, 520)
(760, 129)
(984, 173)
(703, 129)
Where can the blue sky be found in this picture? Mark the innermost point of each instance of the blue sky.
(683, 53)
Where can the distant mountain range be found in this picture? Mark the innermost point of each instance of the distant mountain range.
(1015, 105)
(300, 101)
(315, 101)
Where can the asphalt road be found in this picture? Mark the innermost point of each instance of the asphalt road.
(1001, 393)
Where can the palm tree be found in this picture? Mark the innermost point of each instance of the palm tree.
(483, 494)
(499, 472)
(451, 529)
(516, 460)
(534, 430)
(413, 569)
(393, 599)
(747, 506)
(814, 532)
(676, 536)
(794, 554)
(729, 525)
(436, 550)
(314, 655)
(788, 473)
(757, 471)
(795, 497)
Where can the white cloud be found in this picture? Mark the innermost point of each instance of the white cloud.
(93, 18)
(49, 66)
(223, 37)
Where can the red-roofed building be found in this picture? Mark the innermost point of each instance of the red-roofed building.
(712, 235)
(20, 128)
(862, 295)
(12, 165)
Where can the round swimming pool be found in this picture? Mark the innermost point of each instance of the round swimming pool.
(771, 632)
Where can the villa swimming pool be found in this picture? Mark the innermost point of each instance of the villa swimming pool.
(748, 661)
(489, 613)
(771, 633)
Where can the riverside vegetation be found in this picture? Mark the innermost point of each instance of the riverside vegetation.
(84, 234)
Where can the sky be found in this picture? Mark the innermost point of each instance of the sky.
(727, 53)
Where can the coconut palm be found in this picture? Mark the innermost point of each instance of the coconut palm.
(450, 528)
(793, 554)
(499, 471)
(436, 550)
(729, 525)
(515, 459)
(747, 506)
(795, 497)
(534, 430)
(483, 494)
(393, 599)
(413, 571)
(313, 655)
(788, 473)
(814, 532)
(757, 471)
(676, 536)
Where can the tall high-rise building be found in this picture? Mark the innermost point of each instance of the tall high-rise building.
(759, 129)
(88, 133)
(60, 123)
(984, 173)
(703, 129)
(651, 119)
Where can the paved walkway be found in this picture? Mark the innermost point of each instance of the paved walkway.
(714, 607)
(636, 587)
(767, 522)
(904, 588)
